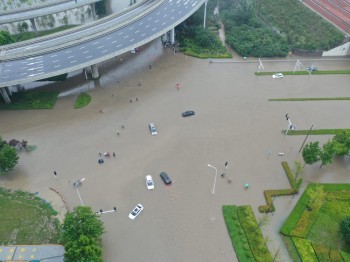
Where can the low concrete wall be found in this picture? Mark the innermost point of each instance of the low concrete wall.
(302, 52)
(342, 50)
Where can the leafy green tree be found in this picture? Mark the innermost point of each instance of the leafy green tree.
(342, 143)
(311, 153)
(327, 153)
(84, 249)
(298, 169)
(81, 221)
(345, 229)
(316, 197)
(8, 157)
(82, 231)
(6, 38)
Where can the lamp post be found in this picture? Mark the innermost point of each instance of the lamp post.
(205, 12)
(216, 174)
(76, 185)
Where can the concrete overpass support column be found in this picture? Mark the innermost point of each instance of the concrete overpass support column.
(32, 21)
(4, 95)
(172, 36)
(94, 72)
(93, 11)
(8, 90)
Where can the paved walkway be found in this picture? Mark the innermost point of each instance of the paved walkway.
(44, 253)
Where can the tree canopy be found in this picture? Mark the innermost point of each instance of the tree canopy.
(339, 145)
(345, 229)
(82, 231)
(8, 157)
(311, 153)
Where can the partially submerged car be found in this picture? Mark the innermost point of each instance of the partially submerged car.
(277, 75)
(149, 182)
(153, 129)
(166, 179)
(312, 68)
(188, 113)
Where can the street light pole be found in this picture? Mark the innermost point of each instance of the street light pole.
(205, 12)
(216, 174)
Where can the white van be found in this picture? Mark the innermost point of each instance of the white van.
(153, 129)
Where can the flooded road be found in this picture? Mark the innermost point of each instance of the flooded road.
(234, 123)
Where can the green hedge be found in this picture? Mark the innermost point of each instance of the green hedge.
(269, 194)
(313, 132)
(237, 235)
(309, 99)
(323, 72)
(256, 240)
(305, 250)
(294, 217)
(291, 177)
(305, 222)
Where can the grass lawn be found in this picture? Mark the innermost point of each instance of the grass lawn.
(82, 100)
(313, 132)
(30, 100)
(325, 230)
(315, 231)
(27, 219)
(324, 72)
(310, 99)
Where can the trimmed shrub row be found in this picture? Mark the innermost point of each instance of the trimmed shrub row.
(325, 254)
(297, 212)
(252, 230)
(270, 194)
(245, 234)
(305, 250)
(237, 235)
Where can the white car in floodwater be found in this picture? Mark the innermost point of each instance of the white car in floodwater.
(136, 211)
(278, 75)
(149, 182)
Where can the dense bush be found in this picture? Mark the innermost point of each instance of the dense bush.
(303, 28)
(6, 38)
(345, 229)
(258, 42)
(200, 42)
(246, 33)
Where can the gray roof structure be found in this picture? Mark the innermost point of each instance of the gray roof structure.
(43, 253)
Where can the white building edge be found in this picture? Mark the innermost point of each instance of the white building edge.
(342, 50)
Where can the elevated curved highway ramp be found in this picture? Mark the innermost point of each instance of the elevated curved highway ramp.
(41, 60)
(51, 7)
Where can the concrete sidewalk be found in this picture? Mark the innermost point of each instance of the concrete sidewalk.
(44, 253)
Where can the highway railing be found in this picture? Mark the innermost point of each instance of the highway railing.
(83, 32)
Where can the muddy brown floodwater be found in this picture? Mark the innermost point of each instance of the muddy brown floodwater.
(234, 122)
